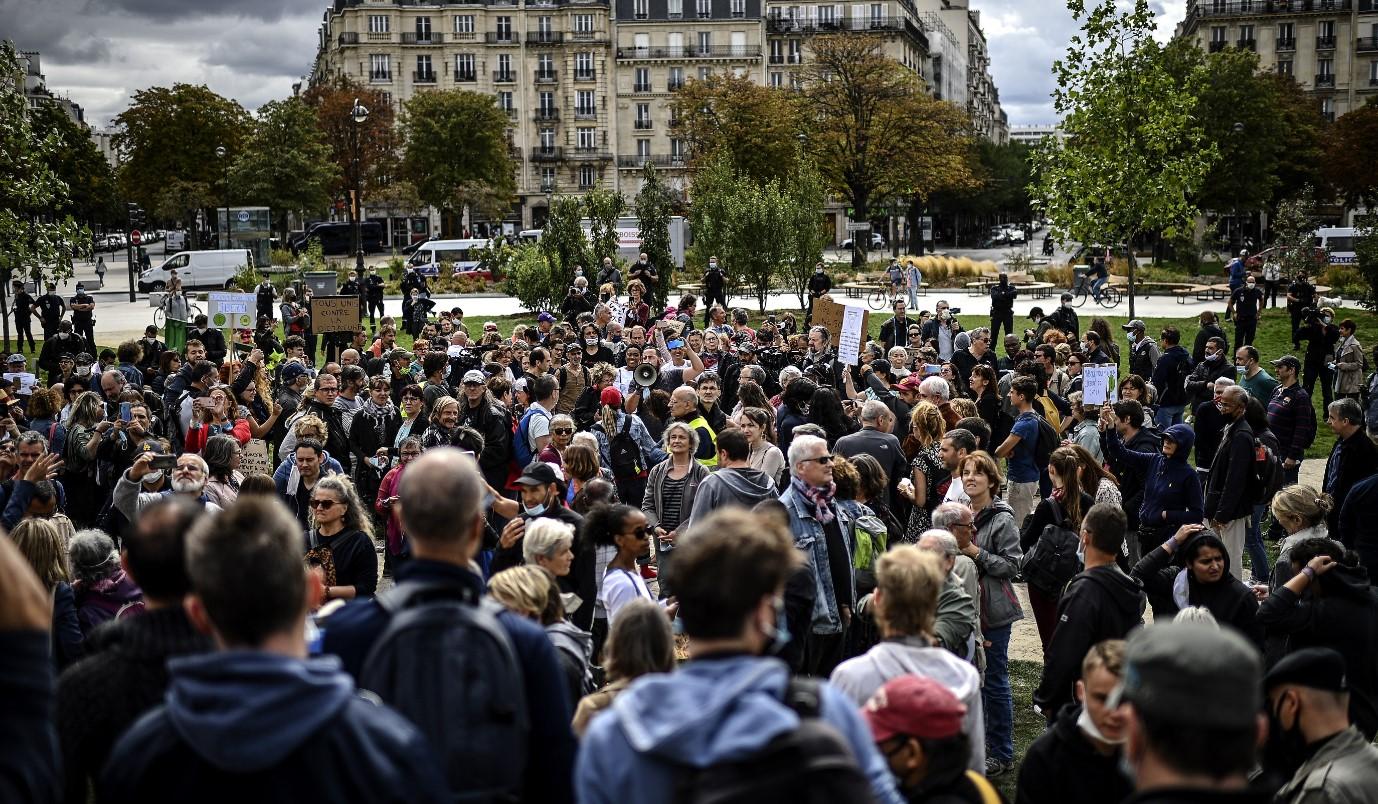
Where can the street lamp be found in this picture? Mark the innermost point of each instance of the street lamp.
(220, 153)
(358, 114)
(1237, 129)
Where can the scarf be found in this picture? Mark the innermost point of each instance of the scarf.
(378, 417)
(820, 497)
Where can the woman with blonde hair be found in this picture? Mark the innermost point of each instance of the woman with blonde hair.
(41, 544)
(639, 643)
(340, 541)
(1301, 510)
(522, 590)
(86, 430)
(926, 429)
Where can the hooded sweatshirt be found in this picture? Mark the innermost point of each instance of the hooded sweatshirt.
(1062, 767)
(711, 710)
(103, 600)
(741, 487)
(1100, 603)
(251, 725)
(1171, 587)
(1172, 494)
(859, 678)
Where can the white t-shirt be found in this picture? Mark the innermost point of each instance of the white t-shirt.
(537, 426)
(621, 587)
(955, 493)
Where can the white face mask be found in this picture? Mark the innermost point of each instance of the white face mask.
(1087, 725)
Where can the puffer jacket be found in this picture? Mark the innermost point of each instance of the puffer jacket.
(998, 564)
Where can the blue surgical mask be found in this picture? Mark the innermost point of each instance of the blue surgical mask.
(534, 511)
(780, 636)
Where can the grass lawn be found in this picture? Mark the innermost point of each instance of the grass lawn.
(1024, 678)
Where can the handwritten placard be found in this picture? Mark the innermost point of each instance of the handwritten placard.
(619, 312)
(1100, 384)
(253, 458)
(836, 318)
(334, 313)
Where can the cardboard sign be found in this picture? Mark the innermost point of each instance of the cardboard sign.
(254, 460)
(619, 312)
(334, 313)
(1100, 384)
(836, 318)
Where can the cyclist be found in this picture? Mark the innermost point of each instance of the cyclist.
(1097, 273)
(896, 276)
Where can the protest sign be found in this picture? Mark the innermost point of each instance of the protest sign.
(836, 318)
(334, 313)
(254, 460)
(1100, 384)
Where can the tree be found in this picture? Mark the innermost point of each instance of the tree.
(653, 206)
(534, 278)
(757, 126)
(1134, 157)
(91, 194)
(603, 207)
(1294, 226)
(1301, 136)
(286, 163)
(172, 133)
(1349, 163)
(875, 131)
(999, 185)
(563, 243)
(375, 138)
(35, 242)
(1366, 255)
(802, 198)
(455, 151)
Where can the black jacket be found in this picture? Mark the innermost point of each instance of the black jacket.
(492, 420)
(214, 341)
(1205, 333)
(1228, 493)
(1200, 384)
(1062, 767)
(1002, 297)
(964, 361)
(1100, 603)
(888, 336)
(1352, 460)
(1065, 319)
(336, 437)
(819, 284)
(123, 676)
(1229, 600)
(29, 758)
(1360, 528)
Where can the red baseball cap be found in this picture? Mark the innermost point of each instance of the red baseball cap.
(611, 396)
(916, 707)
(910, 383)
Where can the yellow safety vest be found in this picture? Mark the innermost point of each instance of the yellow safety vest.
(697, 423)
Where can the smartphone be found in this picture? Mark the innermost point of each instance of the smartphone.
(163, 462)
(955, 310)
(124, 411)
(932, 368)
(676, 344)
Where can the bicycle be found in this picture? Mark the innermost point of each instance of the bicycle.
(1110, 296)
(879, 299)
(160, 313)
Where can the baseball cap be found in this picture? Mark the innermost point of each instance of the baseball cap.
(473, 375)
(68, 356)
(914, 706)
(15, 358)
(910, 383)
(746, 346)
(539, 473)
(1192, 674)
(292, 371)
(1132, 325)
(610, 396)
(1288, 361)
(1314, 668)
(545, 317)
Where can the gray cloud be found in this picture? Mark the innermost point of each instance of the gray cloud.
(267, 10)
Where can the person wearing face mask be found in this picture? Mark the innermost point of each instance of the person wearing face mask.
(374, 286)
(1143, 351)
(1312, 747)
(1209, 328)
(1193, 569)
(541, 496)
(1246, 302)
(1321, 335)
(1065, 318)
(1213, 365)
(1229, 489)
(1077, 760)
(714, 287)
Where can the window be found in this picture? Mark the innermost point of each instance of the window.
(423, 68)
(1218, 33)
(464, 23)
(676, 9)
(675, 44)
(739, 8)
(676, 79)
(423, 29)
(1325, 67)
(643, 148)
(676, 148)
(877, 13)
(796, 54)
(583, 65)
(584, 103)
(827, 15)
(583, 23)
(547, 140)
(544, 28)
(1286, 32)
(547, 178)
(643, 116)
(377, 23)
(777, 79)
(705, 8)
(642, 81)
(641, 9)
(546, 103)
(1328, 110)
(503, 29)
(587, 139)
(505, 101)
(777, 51)
(464, 67)
(1326, 29)
(705, 42)
(642, 43)
(545, 65)
(1373, 72)
(387, 98)
(1285, 67)
(738, 40)
(705, 73)
(505, 66)
(1246, 33)
(379, 67)
(588, 177)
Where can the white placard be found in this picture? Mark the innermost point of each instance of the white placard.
(231, 310)
(254, 458)
(619, 312)
(1100, 384)
(23, 379)
(849, 339)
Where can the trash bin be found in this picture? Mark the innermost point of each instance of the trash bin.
(322, 283)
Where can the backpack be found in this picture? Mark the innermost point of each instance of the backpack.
(1048, 440)
(869, 538)
(810, 765)
(1267, 473)
(521, 445)
(625, 455)
(447, 665)
(1053, 561)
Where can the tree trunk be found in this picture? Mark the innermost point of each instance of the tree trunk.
(914, 217)
(1129, 253)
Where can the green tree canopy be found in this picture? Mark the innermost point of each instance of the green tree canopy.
(757, 126)
(653, 207)
(375, 138)
(286, 163)
(1350, 165)
(91, 193)
(456, 151)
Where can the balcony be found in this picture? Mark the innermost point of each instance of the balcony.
(1260, 8)
(673, 122)
(589, 152)
(1366, 44)
(1217, 46)
(777, 58)
(383, 37)
(809, 25)
(1325, 43)
(500, 38)
(466, 77)
(589, 37)
(1326, 81)
(504, 77)
(641, 87)
(585, 75)
(547, 76)
(1246, 44)
(419, 77)
(546, 154)
(419, 38)
(349, 38)
(585, 114)
(674, 86)
(463, 36)
(380, 78)
(637, 161)
(642, 124)
(544, 37)
(1286, 44)
(713, 52)
(511, 112)
(547, 115)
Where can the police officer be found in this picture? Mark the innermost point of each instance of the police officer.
(23, 314)
(264, 296)
(50, 308)
(373, 292)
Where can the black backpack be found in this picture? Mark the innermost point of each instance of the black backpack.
(623, 451)
(1053, 560)
(445, 662)
(1048, 440)
(1267, 473)
(810, 765)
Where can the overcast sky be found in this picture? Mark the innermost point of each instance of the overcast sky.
(100, 51)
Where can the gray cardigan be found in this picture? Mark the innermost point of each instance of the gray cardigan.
(654, 502)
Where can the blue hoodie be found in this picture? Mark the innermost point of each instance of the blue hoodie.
(270, 728)
(1171, 485)
(710, 710)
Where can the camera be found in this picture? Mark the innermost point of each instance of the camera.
(955, 310)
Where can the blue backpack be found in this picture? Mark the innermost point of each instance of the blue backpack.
(521, 445)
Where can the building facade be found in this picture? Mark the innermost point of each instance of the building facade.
(1329, 46)
(1034, 134)
(588, 84)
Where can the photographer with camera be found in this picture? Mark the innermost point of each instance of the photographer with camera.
(578, 300)
(1321, 335)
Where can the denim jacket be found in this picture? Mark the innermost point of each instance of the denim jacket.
(809, 537)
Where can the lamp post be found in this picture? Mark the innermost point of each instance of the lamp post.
(358, 114)
(220, 154)
(1236, 129)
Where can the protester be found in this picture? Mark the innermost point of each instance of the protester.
(1193, 569)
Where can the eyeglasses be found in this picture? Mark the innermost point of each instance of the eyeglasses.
(323, 505)
(822, 459)
(562, 430)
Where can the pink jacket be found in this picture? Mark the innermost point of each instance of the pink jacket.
(386, 490)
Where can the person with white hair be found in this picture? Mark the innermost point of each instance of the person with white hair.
(877, 439)
(957, 623)
(102, 588)
(189, 477)
(549, 544)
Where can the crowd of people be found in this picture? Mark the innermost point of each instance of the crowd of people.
(653, 560)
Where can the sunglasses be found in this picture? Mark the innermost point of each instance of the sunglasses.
(562, 430)
(639, 533)
(323, 505)
(824, 459)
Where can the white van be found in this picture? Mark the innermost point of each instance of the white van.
(461, 254)
(1338, 242)
(197, 269)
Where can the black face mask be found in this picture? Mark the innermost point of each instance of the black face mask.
(1285, 750)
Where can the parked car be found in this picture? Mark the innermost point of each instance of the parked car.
(462, 255)
(197, 269)
(877, 242)
(338, 237)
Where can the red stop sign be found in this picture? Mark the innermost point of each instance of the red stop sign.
(135, 236)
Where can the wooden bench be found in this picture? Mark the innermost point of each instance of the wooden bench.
(1190, 290)
(1147, 288)
(1039, 290)
(981, 286)
(856, 290)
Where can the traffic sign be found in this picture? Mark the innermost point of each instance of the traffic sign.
(863, 226)
(134, 237)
